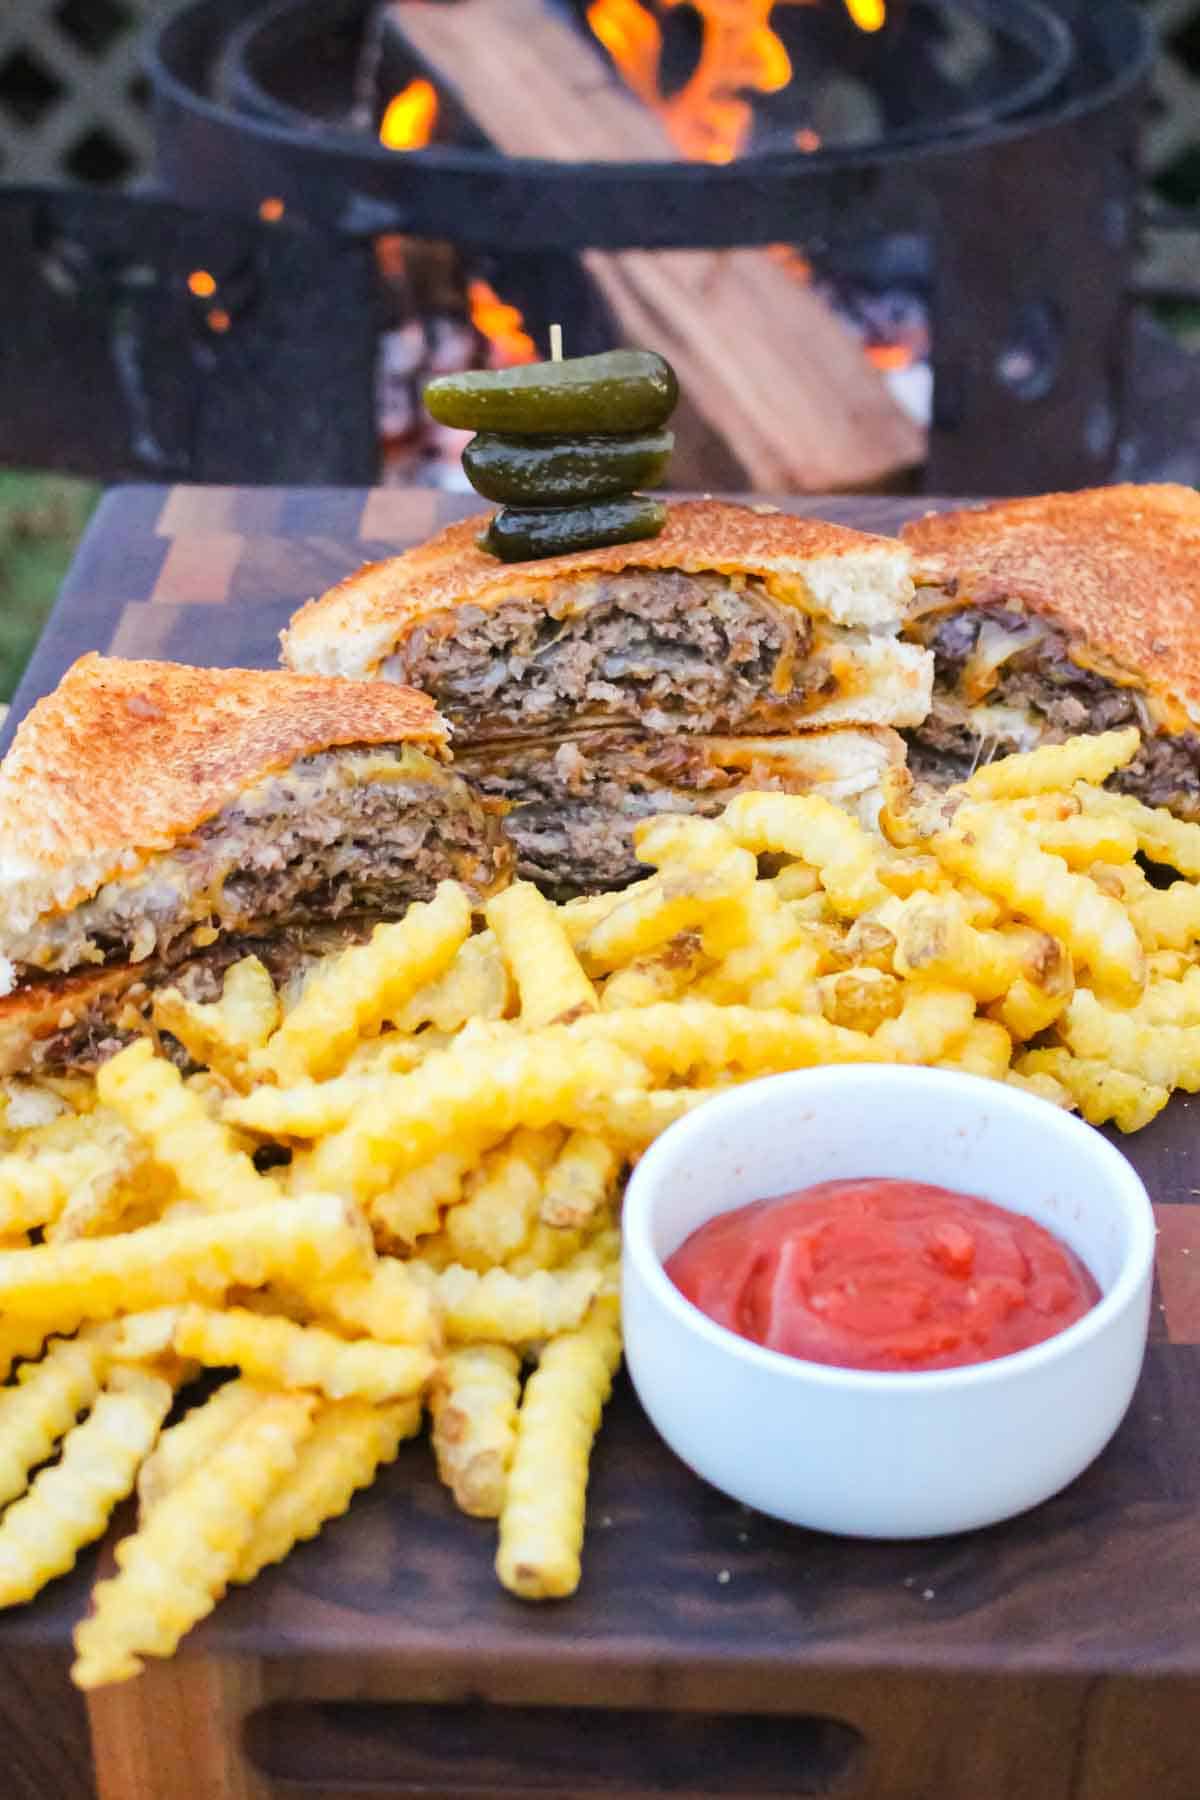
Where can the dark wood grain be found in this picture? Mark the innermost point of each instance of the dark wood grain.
(1055, 1657)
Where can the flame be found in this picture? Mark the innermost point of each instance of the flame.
(410, 117)
(501, 324)
(708, 120)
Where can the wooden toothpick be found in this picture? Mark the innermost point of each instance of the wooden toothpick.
(556, 354)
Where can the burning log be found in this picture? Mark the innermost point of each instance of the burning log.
(770, 373)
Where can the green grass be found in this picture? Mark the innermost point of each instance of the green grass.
(41, 518)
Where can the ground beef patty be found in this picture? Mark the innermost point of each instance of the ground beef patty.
(1055, 698)
(570, 809)
(653, 647)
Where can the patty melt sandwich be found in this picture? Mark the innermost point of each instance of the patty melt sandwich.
(159, 821)
(590, 689)
(1060, 614)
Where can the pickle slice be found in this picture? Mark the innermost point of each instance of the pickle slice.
(622, 390)
(565, 471)
(520, 534)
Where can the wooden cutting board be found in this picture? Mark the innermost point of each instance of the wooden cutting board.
(709, 1651)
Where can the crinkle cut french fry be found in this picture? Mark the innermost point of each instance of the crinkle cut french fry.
(549, 976)
(1172, 1002)
(501, 1308)
(1168, 918)
(311, 1109)
(1084, 841)
(932, 1022)
(662, 974)
(148, 1094)
(482, 1092)
(48, 1397)
(580, 1180)
(1043, 1086)
(475, 986)
(992, 852)
(702, 872)
(357, 991)
(503, 1199)
(699, 1035)
(201, 1431)
(388, 1304)
(176, 1566)
(297, 1240)
(860, 999)
(221, 1034)
(634, 1117)
(474, 1406)
(21, 1339)
(583, 915)
(69, 1504)
(35, 1189)
(1091, 759)
(348, 1443)
(411, 1208)
(1160, 835)
(1101, 1093)
(541, 1522)
(815, 830)
(984, 1049)
(301, 1356)
(1166, 1056)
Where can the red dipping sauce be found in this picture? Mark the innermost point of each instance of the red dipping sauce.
(877, 1274)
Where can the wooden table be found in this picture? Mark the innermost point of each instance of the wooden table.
(709, 1651)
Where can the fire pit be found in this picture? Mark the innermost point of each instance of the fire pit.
(818, 201)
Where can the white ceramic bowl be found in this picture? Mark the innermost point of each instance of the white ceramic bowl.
(865, 1453)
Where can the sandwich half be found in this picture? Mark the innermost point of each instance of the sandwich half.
(158, 821)
(1061, 614)
(589, 690)
(735, 619)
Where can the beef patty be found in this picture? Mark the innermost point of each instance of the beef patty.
(659, 648)
(1037, 694)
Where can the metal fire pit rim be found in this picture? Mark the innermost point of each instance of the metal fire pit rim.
(546, 204)
(1041, 31)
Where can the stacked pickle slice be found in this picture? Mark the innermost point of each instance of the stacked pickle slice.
(562, 446)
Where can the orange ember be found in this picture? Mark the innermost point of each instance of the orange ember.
(202, 284)
(410, 117)
(889, 356)
(501, 324)
(709, 120)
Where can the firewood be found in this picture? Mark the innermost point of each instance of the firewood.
(767, 369)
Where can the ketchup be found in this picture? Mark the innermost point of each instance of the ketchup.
(875, 1274)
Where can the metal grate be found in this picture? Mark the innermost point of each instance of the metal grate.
(72, 99)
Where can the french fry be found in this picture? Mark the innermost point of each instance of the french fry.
(818, 832)
(69, 1504)
(365, 985)
(634, 1117)
(1084, 841)
(475, 986)
(301, 1356)
(678, 900)
(147, 1094)
(202, 1430)
(45, 1402)
(541, 1522)
(1043, 1086)
(318, 1236)
(498, 1307)
(581, 1179)
(411, 1208)
(1168, 918)
(1102, 1093)
(935, 943)
(1160, 835)
(580, 916)
(22, 1339)
(860, 999)
(984, 1049)
(474, 1402)
(176, 1566)
(1165, 1056)
(661, 974)
(350, 1440)
(1091, 759)
(932, 1023)
(695, 1036)
(1172, 1002)
(549, 976)
(992, 852)
(503, 1200)
(481, 1092)
(389, 1304)
(311, 1109)
(222, 1034)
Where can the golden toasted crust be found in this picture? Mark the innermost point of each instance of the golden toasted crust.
(38, 1010)
(1117, 568)
(129, 757)
(357, 623)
